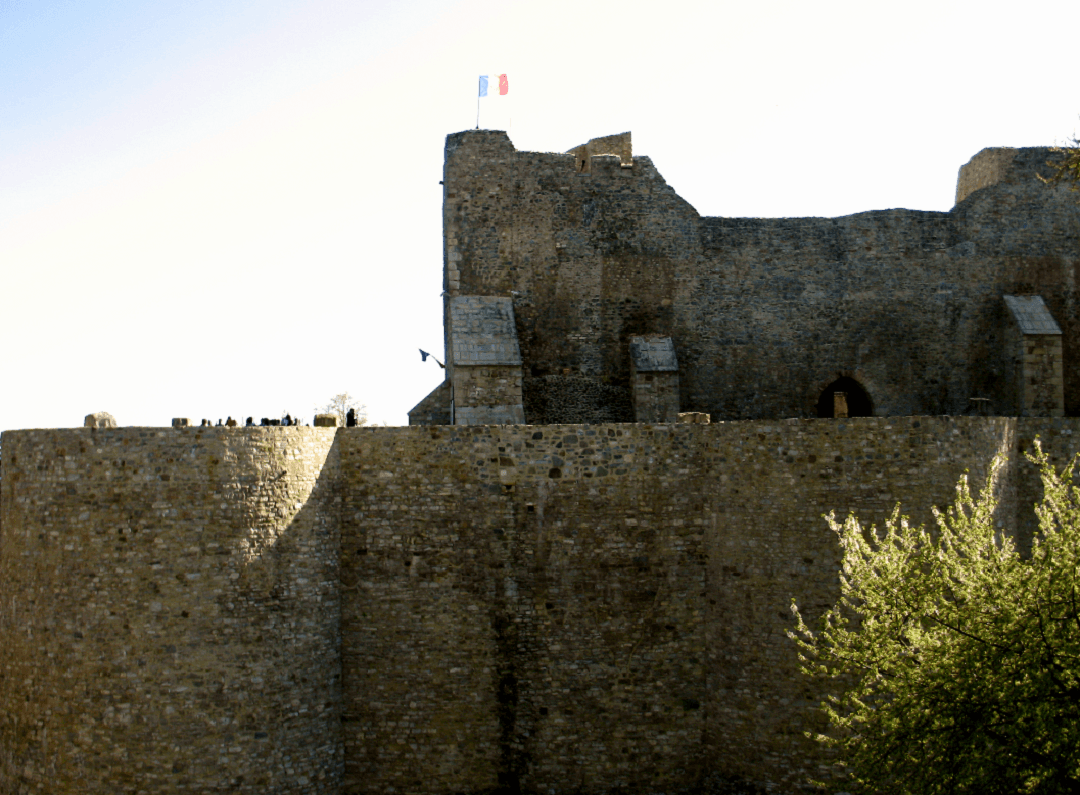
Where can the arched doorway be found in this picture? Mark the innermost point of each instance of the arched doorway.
(858, 402)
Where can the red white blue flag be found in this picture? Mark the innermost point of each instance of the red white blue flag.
(494, 86)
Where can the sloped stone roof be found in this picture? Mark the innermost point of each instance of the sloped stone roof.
(1031, 314)
(482, 330)
(653, 354)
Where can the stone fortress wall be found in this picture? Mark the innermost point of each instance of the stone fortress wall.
(169, 611)
(764, 313)
(443, 609)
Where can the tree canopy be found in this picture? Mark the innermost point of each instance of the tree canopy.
(952, 662)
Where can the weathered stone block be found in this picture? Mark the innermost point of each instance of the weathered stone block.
(99, 419)
(694, 417)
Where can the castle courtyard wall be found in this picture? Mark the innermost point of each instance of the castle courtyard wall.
(442, 609)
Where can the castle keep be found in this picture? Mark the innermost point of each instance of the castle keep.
(581, 254)
(548, 583)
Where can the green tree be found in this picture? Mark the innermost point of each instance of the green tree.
(951, 662)
(339, 406)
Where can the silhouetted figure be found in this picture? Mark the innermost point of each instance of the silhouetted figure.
(219, 422)
(265, 422)
(350, 419)
(287, 420)
(230, 422)
(250, 422)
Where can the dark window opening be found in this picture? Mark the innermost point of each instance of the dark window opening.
(858, 402)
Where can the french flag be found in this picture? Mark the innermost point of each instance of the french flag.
(497, 87)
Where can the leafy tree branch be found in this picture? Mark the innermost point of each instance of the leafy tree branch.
(953, 663)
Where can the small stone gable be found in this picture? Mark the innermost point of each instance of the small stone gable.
(1035, 347)
(653, 354)
(1031, 314)
(654, 379)
(484, 362)
(482, 331)
(619, 145)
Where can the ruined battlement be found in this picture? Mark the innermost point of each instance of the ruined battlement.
(593, 248)
(1003, 166)
(619, 146)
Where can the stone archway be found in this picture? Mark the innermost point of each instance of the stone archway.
(858, 400)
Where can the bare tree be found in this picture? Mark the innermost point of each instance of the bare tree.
(1066, 165)
(340, 405)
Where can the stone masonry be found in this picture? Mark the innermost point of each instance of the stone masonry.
(171, 611)
(455, 609)
(592, 248)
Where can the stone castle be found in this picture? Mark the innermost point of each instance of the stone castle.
(548, 583)
(581, 288)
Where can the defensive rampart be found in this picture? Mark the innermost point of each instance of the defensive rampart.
(510, 608)
(170, 611)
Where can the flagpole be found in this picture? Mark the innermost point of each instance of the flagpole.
(478, 103)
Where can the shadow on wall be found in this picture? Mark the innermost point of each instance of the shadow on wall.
(200, 611)
(858, 401)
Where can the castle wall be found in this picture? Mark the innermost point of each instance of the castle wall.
(169, 611)
(419, 652)
(1031, 232)
(656, 396)
(580, 608)
(542, 593)
(765, 313)
(989, 167)
(558, 608)
(1042, 374)
(770, 545)
(890, 298)
(488, 395)
(575, 399)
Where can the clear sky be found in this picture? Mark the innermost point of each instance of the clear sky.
(229, 207)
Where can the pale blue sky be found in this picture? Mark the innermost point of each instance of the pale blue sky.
(215, 208)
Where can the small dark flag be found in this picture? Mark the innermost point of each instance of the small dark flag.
(423, 357)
